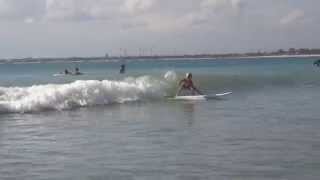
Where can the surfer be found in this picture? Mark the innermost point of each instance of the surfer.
(317, 63)
(187, 84)
(77, 71)
(66, 71)
(122, 69)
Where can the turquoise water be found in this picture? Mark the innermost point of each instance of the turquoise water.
(104, 125)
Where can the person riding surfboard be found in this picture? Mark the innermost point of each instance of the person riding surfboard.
(187, 84)
(317, 63)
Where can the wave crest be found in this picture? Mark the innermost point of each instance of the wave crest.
(82, 94)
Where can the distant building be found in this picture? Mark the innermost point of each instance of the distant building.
(292, 51)
(280, 51)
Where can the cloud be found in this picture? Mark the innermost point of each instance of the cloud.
(56, 10)
(150, 13)
(20, 9)
(219, 5)
(78, 10)
(91, 10)
(211, 13)
(29, 20)
(293, 17)
(137, 6)
(61, 10)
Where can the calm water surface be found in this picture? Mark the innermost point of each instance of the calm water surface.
(267, 129)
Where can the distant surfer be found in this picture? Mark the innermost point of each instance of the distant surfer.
(77, 71)
(122, 69)
(187, 84)
(317, 63)
(66, 72)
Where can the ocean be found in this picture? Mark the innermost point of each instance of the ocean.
(107, 125)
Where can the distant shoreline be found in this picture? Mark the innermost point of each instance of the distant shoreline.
(285, 56)
(128, 58)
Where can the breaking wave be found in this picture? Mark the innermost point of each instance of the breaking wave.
(83, 93)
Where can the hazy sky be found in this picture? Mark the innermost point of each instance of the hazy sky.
(61, 28)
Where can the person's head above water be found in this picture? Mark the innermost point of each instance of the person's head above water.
(189, 75)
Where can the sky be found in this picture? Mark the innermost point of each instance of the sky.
(64, 28)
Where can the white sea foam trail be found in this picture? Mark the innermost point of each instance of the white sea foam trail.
(83, 93)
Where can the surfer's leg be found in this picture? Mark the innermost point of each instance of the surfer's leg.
(179, 91)
(192, 91)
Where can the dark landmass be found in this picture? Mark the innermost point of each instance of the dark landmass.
(292, 52)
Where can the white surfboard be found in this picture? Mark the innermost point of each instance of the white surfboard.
(221, 94)
(190, 98)
(59, 74)
(200, 97)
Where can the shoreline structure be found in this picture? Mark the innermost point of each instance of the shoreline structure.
(291, 53)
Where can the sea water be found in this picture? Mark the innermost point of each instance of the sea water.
(106, 125)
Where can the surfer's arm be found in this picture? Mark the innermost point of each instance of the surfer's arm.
(179, 89)
(197, 90)
(180, 84)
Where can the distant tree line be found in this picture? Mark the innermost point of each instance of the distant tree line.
(279, 52)
(290, 51)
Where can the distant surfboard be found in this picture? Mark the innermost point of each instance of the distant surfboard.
(77, 73)
(59, 74)
(71, 74)
(200, 97)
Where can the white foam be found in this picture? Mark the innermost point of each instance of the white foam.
(80, 94)
(170, 76)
